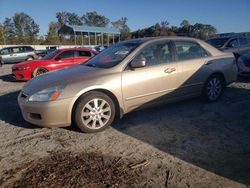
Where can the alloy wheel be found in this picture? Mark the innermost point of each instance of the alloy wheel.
(40, 71)
(214, 88)
(96, 113)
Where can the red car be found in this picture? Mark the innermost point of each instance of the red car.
(55, 60)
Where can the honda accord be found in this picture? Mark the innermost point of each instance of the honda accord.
(129, 75)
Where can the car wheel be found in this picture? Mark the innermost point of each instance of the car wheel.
(94, 112)
(30, 58)
(213, 88)
(39, 71)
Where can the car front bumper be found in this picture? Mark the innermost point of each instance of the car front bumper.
(21, 75)
(47, 114)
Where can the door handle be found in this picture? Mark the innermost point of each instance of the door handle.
(169, 70)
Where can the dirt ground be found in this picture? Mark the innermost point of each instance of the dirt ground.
(188, 144)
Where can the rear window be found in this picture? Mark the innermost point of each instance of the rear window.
(28, 49)
(5, 51)
(244, 41)
(187, 50)
(84, 53)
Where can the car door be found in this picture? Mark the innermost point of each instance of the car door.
(192, 60)
(22, 55)
(28, 51)
(82, 56)
(64, 59)
(153, 83)
(17, 54)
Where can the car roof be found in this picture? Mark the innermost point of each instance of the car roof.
(81, 49)
(208, 47)
(146, 39)
(232, 37)
(16, 47)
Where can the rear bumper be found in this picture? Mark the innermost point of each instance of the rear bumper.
(47, 114)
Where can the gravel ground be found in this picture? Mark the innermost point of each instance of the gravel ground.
(188, 144)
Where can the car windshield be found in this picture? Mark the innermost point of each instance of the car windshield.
(217, 42)
(113, 55)
(50, 55)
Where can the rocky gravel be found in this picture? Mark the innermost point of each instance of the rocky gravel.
(186, 144)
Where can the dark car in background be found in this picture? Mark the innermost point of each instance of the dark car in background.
(17, 54)
(100, 48)
(237, 45)
(244, 64)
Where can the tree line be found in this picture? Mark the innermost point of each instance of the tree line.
(22, 29)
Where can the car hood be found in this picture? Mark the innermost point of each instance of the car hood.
(64, 76)
(28, 63)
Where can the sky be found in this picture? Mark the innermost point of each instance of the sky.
(225, 15)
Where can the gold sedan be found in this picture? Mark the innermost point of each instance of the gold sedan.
(127, 76)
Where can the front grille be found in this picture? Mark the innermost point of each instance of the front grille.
(35, 116)
(21, 76)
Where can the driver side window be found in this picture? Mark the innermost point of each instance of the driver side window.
(66, 54)
(156, 53)
(233, 43)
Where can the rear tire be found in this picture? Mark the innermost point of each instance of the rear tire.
(94, 112)
(30, 58)
(213, 88)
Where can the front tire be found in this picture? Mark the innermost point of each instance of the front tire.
(94, 112)
(39, 71)
(213, 88)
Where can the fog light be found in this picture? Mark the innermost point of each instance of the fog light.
(35, 116)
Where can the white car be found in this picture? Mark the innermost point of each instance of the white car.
(17, 54)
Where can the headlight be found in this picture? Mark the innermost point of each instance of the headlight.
(23, 68)
(50, 94)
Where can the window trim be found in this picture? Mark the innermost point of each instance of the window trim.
(246, 40)
(9, 49)
(189, 41)
(74, 51)
(146, 44)
(230, 40)
(78, 52)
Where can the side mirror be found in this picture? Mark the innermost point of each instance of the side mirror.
(136, 63)
(58, 58)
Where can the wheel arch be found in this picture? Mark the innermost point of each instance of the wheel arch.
(118, 107)
(32, 56)
(219, 73)
(37, 68)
